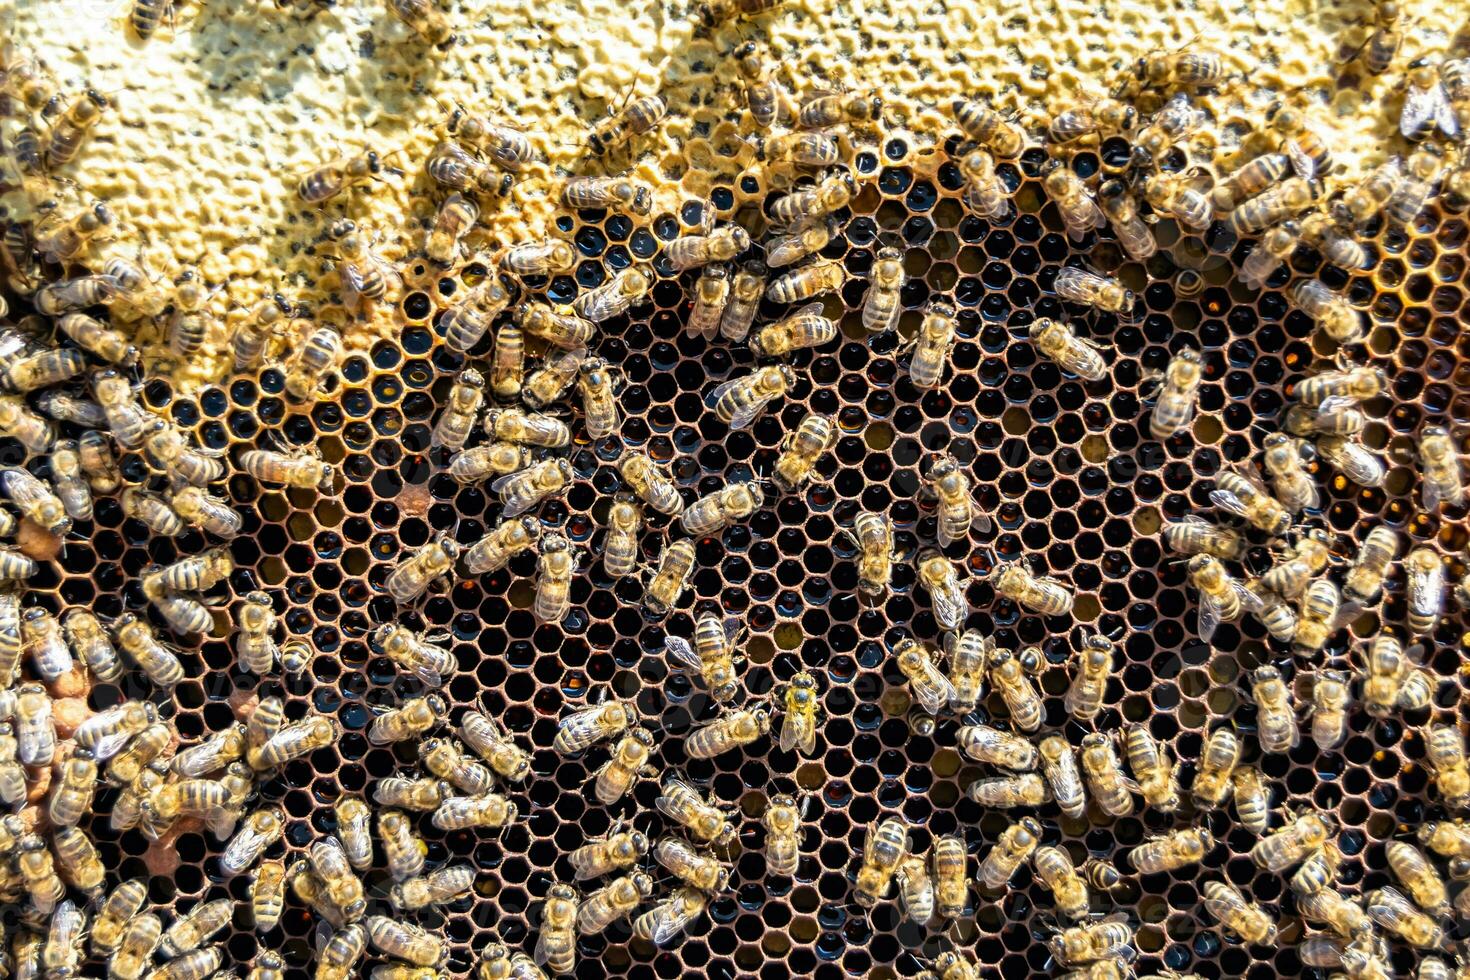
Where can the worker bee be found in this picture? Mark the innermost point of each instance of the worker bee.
(614, 297)
(1243, 497)
(496, 459)
(825, 110)
(1292, 843)
(927, 686)
(1269, 253)
(553, 380)
(1103, 117)
(248, 341)
(1057, 872)
(305, 470)
(193, 930)
(1175, 197)
(586, 727)
(405, 941)
(136, 639)
(985, 193)
(622, 193)
(722, 508)
(1079, 211)
(1015, 844)
(938, 575)
(268, 894)
(447, 760)
(763, 95)
(125, 418)
(483, 810)
(96, 337)
(364, 275)
(410, 719)
(1076, 354)
(136, 943)
(71, 793)
(1365, 577)
(434, 561)
(1109, 938)
(886, 847)
(690, 866)
(20, 423)
(344, 888)
(152, 511)
(956, 512)
(1330, 908)
(807, 327)
(634, 119)
(1361, 202)
(354, 830)
(1273, 205)
(1332, 312)
(538, 258)
(458, 421)
(1016, 690)
(1425, 588)
(739, 400)
(1341, 250)
(1090, 289)
(800, 451)
(1084, 699)
(455, 218)
(42, 636)
(168, 452)
(1305, 149)
(68, 131)
(294, 741)
(1388, 908)
(115, 912)
(873, 536)
(38, 873)
(650, 482)
(619, 849)
(810, 280)
(453, 167)
(915, 889)
(1039, 593)
(1331, 696)
(504, 541)
(720, 245)
(628, 762)
(1294, 487)
(1318, 871)
(1059, 765)
(308, 371)
(98, 464)
(807, 237)
(1357, 383)
(1353, 460)
(1177, 394)
(1335, 416)
(337, 959)
(984, 125)
(1444, 753)
(554, 570)
(58, 239)
(35, 500)
(670, 579)
(884, 300)
(1216, 764)
(682, 804)
(71, 488)
(196, 573)
(730, 731)
(432, 27)
(466, 322)
(1026, 789)
(1448, 838)
(810, 149)
(1250, 180)
(1418, 876)
(661, 924)
(417, 653)
(832, 193)
(598, 384)
(991, 745)
(713, 655)
(335, 176)
(1237, 915)
(1443, 480)
(969, 654)
(782, 823)
(931, 345)
(1118, 204)
(799, 725)
(746, 289)
(556, 947)
(1427, 104)
(1275, 719)
(405, 851)
(620, 546)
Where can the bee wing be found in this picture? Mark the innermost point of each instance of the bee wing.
(426, 673)
(724, 387)
(584, 863)
(1424, 596)
(981, 521)
(679, 649)
(1248, 599)
(796, 730)
(1209, 616)
(814, 308)
(542, 954)
(671, 921)
(1425, 108)
(950, 605)
(352, 283)
(747, 414)
(1229, 502)
(1304, 165)
(734, 630)
(580, 726)
(1432, 495)
(668, 805)
(933, 691)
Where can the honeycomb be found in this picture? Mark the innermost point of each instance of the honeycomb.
(1067, 469)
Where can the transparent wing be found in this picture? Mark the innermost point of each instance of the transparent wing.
(679, 649)
(724, 388)
(950, 606)
(1424, 592)
(1209, 616)
(426, 673)
(672, 920)
(1249, 600)
(1229, 502)
(580, 727)
(584, 863)
(352, 283)
(1444, 114)
(1423, 109)
(734, 630)
(798, 730)
(981, 521)
(1432, 495)
(932, 690)
(1304, 165)
(747, 414)
(501, 483)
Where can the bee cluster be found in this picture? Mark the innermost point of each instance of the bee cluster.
(833, 554)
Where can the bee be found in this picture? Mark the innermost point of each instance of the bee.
(808, 237)
(636, 118)
(42, 636)
(405, 941)
(169, 453)
(1177, 395)
(1331, 696)
(720, 245)
(763, 95)
(1418, 876)
(1015, 844)
(1112, 790)
(1275, 719)
(815, 150)
(465, 323)
(690, 866)
(447, 760)
(1237, 915)
(1174, 196)
(432, 27)
(682, 804)
(915, 889)
(1305, 149)
(336, 176)
(732, 730)
(991, 745)
(127, 421)
(1443, 480)
(1251, 180)
(931, 345)
(1365, 577)
(1352, 460)
(412, 718)
(885, 849)
(1427, 104)
(929, 688)
(1076, 354)
(722, 508)
(620, 849)
(416, 653)
(496, 459)
(432, 562)
(115, 912)
(294, 741)
(68, 131)
(554, 570)
(538, 258)
(1270, 253)
(337, 959)
(1059, 765)
(799, 725)
(1016, 690)
(405, 852)
(466, 397)
(105, 732)
(138, 940)
(61, 240)
(98, 464)
(68, 295)
(1103, 117)
(969, 654)
(38, 873)
(12, 775)
(1133, 233)
(450, 165)
(662, 923)
(1245, 498)
(1447, 838)
(1415, 186)
(650, 482)
(1444, 753)
(713, 655)
(16, 567)
(48, 367)
(1382, 46)
(554, 379)
(65, 407)
(18, 422)
(194, 574)
(309, 369)
(304, 470)
(1294, 842)
(628, 762)
(1174, 120)
(191, 323)
(196, 928)
(586, 727)
(343, 888)
(1335, 416)
(884, 300)
(1293, 485)
(71, 793)
(621, 193)
(825, 110)
(746, 289)
(267, 894)
(1425, 588)
(556, 947)
(1107, 939)
(985, 193)
(807, 327)
(800, 451)
(455, 219)
(137, 640)
(782, 823)
(491, 742)
(1318, 871)
(614, 297)
(71, 488)
(986, 126)
(148, 746)
(1084, 699)
(810, 280)
(1216, 765)
(1039, 593)
(1391, 910)
(1341, 250)
(1201, 68)
(1330, 908)
(62, 954)
(956, 512)
(1363, 201)
(1074, 202)
(670, 579)
(832, 193)
(353, 828)
(364, 275)
(1252, 798)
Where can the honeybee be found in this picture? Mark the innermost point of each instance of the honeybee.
(800, 451)
(682, 804)
(554, 571)
(18, 422)
(528, 428)
(97, 338)
(309, 370)
(556, 947)
(1242, 496)
(927, 686)
(452, 166)
(1330, 908)
(586, 727)
(1059, 765)
(115, 912)
(1015, 844)
(810, 149)
(1076, 354)
(763, 95)
(622, 193)
(1335, 416)
(538, 258)
(690, 866)
(249, 339)
(466, 322)
(455, 219)
(505, 540)
(670, 578)
(1353, 460)
(1079, 211)
(197, 927)
(35, 500)
(991, 745)
(799, 723)
(1175, 197)
(969, 654)
(1418, 876)
(1039, 593)
(1102, 117)
(405, 851)
(432, 27)
(38, 873)
(730, 731)
(1293, 486)
(1250, 180)
(1332, 312)
(68, 131)
(339, 955)
(634, 119)
(810, 280)
(628, 762)
(1084, 698)
(35, 731)
(1318, 871)
(915, 889)
(293, 741)
(1193, 535)
(984, 125)
(1341, 250)
(746, 290)
(1448, 838)
(71, 793)
(722, 508)
(620, 849)
(418, 653)
(1294, 842)
(336, 176)
(305, 470)
(1237, 915)
(1217, 762)
(354, 830)
(127, 421)
(1275, 718)
(1357, 383)
(43, 640)
(886, 847)
(614, 297)
(1425, 589)
(1444, 753)
(1427, 104)
(1112, 790)
(1133, 233)
(807, 237)
(410, 719)
(1364, 578)
(1177, 395)
(363, 274)
(268, 894)
(1269, 253)
(138, 939)
(447, 760)
(1391, 910)
(405, 941)
(71, 488)
(99, 466)
(720, 245)
(650, 482)
(496, 459)
(663, 923)
(782, 823)
(985, 193)
(58, 239)
(1016, 690)
(463, 405)
(1443, 480)
(1331, 696)
(1107, 939)
(137, 640)
(1363, 201)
